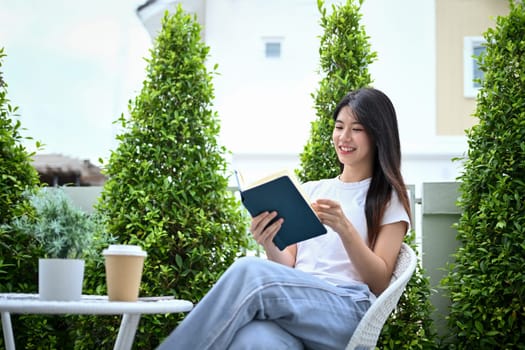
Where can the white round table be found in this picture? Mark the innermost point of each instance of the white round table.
(18, 303)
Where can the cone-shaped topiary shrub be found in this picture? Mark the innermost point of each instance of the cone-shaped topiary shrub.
(167, 187)
(486, 283)
(345, 55)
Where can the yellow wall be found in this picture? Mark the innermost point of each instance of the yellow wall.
(456, 19)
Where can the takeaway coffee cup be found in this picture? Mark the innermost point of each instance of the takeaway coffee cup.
(124, 264)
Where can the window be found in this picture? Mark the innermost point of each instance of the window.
(473, 46)
(272, 47)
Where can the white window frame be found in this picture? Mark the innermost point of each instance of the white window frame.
(470, 90)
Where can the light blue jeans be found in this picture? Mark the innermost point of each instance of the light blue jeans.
(259, 304)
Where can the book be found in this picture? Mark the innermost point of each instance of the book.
(282, 192)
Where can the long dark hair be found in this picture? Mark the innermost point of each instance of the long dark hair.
(374, 110)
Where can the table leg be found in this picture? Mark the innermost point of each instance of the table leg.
(7, 328)
(126, 333)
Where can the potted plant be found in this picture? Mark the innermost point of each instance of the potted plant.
(65, 234)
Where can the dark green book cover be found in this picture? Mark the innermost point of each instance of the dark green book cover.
(281, 194)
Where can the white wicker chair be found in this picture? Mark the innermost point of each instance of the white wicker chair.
(369, 328)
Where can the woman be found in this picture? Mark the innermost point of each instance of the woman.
(314, 293)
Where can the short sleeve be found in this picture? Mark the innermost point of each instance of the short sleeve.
(395, 212)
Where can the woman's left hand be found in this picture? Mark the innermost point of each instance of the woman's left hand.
(331, 214)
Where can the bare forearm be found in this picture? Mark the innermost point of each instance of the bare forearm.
(375, 266)
(285, 257)
(371, 267)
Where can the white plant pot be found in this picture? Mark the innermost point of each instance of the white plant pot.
(60, 279)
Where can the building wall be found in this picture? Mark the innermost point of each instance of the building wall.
(405, 45)
(265, 105)
(405, 65)
(456, 19)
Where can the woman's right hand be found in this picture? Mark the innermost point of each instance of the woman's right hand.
(264, 233)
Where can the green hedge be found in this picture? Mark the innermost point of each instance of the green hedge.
(487, 282)
(18, 251)
(344, 53)
(167, 187)
(16, 171)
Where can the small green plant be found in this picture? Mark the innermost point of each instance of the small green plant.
(53, 228)
(63, 230)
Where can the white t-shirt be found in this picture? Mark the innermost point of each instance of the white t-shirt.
(325, 256)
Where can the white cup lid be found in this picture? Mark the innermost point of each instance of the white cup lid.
(124, 249)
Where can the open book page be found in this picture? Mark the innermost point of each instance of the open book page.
(270, 177)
